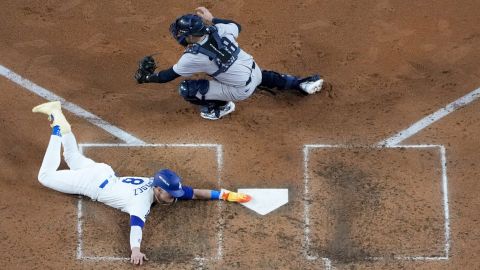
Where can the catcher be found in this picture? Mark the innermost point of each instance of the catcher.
(214, 50)
(131, 194)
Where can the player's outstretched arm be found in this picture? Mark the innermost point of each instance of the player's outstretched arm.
(136, 225)
(223, 194)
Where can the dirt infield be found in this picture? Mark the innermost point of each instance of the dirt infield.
(391, 63)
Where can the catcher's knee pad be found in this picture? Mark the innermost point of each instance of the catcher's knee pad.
(272, 79)
(188, 90)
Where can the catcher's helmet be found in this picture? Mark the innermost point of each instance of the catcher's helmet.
(186, 25)
(169, 181)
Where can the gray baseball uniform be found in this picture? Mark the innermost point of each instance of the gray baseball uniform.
(230, 85)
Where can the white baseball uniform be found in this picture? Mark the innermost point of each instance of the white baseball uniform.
(133, 195)
(230, 85)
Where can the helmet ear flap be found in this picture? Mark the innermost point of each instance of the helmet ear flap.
(181, 39)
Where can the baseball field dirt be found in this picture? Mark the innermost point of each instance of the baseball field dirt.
(351, 205)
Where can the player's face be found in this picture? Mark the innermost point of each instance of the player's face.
(162, 197)
(193, 39)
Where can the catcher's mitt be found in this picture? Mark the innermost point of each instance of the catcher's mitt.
(146, 67)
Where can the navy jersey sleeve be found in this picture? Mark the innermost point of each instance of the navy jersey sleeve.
(163, 76)
(225, 21)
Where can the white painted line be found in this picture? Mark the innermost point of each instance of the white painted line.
(446, 210)
(219, 254)
(327, 263)
(411, 146)
(78, 111)
(144, 145)
(200, 262)
(79, 229)
(409, 258)
(432, 118)
(306, 208)
(324, 146)
(314, 146)
(104, 258)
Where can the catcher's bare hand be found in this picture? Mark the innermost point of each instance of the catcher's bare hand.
(137, 256)
(204, 13)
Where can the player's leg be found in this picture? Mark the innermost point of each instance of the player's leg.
(85, 181)
(73, 157)
(75, 160)
(308, 85)
(214, 103)
(48, 174)
(51, 159)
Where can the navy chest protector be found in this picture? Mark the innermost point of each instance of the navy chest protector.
(220, 50)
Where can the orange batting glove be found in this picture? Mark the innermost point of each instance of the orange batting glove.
(230, 196)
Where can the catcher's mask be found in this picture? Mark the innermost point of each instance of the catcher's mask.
(169, 181)
(187, 25)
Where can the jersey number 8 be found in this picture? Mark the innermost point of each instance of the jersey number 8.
(133, 181)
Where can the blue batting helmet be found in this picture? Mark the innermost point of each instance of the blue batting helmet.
(169, 181)
(186, 25)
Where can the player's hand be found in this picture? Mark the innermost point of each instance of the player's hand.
(204, 13)
(137, 256)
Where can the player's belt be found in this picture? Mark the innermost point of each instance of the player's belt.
(250, 79)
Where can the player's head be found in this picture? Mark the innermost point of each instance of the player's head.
(187, 26)
(169, 186)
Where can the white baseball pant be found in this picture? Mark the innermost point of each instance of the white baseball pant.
(85, 176)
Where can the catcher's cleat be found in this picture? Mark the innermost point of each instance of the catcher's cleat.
(311, 87)
(54, 111)
(230, 196)
(217, 113)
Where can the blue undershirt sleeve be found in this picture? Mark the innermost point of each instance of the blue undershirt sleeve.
(188, 193)
(136, 221)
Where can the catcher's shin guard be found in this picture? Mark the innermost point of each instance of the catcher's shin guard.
(272, 79)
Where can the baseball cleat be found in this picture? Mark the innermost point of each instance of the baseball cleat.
(217, 113)
(311, 87)
(54, 111)
(230, 196)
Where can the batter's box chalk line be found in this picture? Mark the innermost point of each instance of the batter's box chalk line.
(199, 260)
(309, 255)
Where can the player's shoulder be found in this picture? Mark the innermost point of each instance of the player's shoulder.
(221, 28)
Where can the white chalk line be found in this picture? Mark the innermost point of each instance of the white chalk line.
(217, 147)
(408, 258)
(446, 208)
(75, 109)
(430, 119)
(219, 255)
(306, 208)
(347, 146)
(198, 259)
(79, 228)
(327, 263)
(444, 190)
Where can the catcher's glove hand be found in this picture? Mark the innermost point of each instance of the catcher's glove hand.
(146, 67)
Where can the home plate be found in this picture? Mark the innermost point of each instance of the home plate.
(265, 200)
